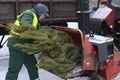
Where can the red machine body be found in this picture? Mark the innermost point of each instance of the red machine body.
(110, 69)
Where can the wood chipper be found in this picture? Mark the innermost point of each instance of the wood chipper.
(100, 41)
(98, 56)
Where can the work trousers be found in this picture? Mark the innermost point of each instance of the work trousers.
(16, 60)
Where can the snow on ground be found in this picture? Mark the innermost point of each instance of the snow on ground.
(23, 75)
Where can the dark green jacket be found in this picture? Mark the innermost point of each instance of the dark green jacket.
(28, 18)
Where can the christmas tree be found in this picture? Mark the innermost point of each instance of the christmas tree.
(57, 52)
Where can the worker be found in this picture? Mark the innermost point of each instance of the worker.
(18, 57)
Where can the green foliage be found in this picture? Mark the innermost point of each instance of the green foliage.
(15, 30)
(58, 51)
